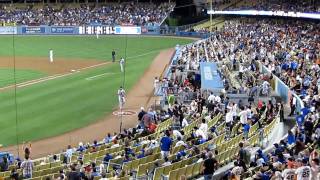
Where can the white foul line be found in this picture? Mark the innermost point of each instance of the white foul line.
(43, 79)
(140, 55)
(99, 75)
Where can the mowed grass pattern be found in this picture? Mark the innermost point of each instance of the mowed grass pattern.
(60, 105)
(7, 76)
(84, 47)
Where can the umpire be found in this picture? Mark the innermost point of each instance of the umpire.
(113, 56)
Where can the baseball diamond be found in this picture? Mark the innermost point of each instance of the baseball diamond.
(43, 85)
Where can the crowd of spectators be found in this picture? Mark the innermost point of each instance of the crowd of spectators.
(280, 5)
(188, 106)
(290, 50)
(129, 13)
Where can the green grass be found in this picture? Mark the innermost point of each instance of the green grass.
(7, 76)
(84, 47)
(60, 105)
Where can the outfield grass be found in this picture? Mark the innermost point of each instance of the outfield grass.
(57, 106)
(84, 47)
(22, 75)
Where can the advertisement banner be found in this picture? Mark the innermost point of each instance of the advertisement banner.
(96, 30)
(33, 30)
(8, 30)
(127, 30)
(62, 30)
(7, 24)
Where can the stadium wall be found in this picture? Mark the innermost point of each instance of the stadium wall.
(93, 29)
(282, 89)
(76, 30)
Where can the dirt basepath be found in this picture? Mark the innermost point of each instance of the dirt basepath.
(137, 97)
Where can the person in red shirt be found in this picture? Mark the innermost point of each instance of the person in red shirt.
(260, 104)
(152, 127)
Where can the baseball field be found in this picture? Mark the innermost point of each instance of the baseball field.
(77, 89)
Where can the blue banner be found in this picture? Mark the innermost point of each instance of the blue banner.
(210, 78)
(33, 30)
(62, 30)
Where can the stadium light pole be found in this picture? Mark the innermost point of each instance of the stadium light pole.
(124, 78)
(211, 16)
(15, 92)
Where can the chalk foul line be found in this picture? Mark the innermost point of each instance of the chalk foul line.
(47, 78)
(99, 75)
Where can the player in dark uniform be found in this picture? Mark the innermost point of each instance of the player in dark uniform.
(113, 56)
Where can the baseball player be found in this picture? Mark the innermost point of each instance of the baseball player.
(122, 64)
(97, 33)
(113, 55)
(121, 97)
(51, 55)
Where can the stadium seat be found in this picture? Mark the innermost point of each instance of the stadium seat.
(188, 171)
(158, 172)
(197, 169)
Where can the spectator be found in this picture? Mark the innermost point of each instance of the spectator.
(27, 167)
(209, 166)
(165, 144)
(4, 165)
(73, 174)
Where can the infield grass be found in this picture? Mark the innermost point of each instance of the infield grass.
(61, 105)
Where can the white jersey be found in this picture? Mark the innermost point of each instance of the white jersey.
(97, 34)
(304, 173)
(122, 61)
(51, 55)
(156, 83)
(121, 64)
(121, 93)
(121, 97)
(288, 174)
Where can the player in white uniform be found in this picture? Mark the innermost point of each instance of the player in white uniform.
(304, 172)
(51, 55)
(288, 174)
(122, 64)
(121, 97)
(156, 83)
(97, 33)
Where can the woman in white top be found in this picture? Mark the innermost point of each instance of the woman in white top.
(204, 127)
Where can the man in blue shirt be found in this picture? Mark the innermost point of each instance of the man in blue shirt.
(165, 144)
(300, 120)
(305, 111)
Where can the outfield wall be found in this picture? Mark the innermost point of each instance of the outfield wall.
(100, 29)
(79, 30)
